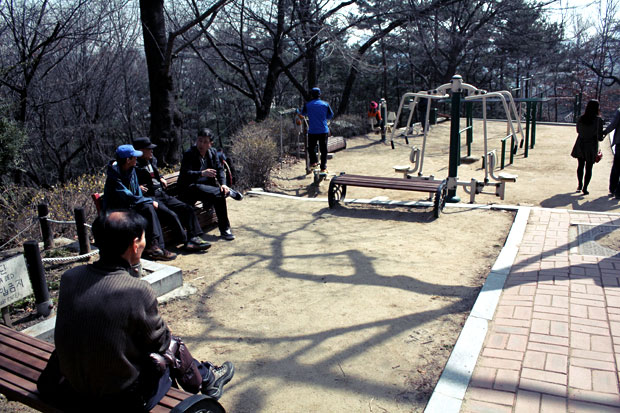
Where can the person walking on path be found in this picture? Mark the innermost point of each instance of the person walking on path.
(318, 112)
(614, 177)
(589, 133)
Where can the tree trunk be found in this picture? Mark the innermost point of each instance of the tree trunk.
(163, 131)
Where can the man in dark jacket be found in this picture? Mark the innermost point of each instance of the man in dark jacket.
(202, 178)
(108, 330)
(175, 212)
(122, 191)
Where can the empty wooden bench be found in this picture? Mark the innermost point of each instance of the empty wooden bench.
(206, 216)
(22, 358)
(436, 188)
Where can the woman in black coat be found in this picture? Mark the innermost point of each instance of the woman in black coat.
(590, 132)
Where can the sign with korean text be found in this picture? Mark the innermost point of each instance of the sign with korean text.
(14, 281)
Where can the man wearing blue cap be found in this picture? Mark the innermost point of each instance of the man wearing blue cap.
(318, 112)
(122, 191)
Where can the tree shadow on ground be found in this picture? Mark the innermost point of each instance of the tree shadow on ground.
(328, 372)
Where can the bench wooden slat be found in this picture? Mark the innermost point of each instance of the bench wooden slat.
(29, 398)
(29, 367)
(26, 339)
(10, 343)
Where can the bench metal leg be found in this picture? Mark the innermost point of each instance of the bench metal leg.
(336, 193)
(440, 199)
(198, 403)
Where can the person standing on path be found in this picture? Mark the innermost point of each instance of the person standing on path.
(318, 112)
(614, 177)
(589, 133)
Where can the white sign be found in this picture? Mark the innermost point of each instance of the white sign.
(14, 281)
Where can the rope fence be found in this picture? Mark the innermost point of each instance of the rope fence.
(58, 260)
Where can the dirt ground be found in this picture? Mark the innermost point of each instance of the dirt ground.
(356, 309)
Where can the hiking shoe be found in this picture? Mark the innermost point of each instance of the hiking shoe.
(221, 375)
(156, 253)
(235, 195)
(199, 241)
(324, 171)
(228, 235)
(195, 245)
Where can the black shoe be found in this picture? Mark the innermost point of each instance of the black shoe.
(228, 235)
(235, 195)
(579, 187)
(200, 242)
(194, 246)
(585, 192)
(221, 375)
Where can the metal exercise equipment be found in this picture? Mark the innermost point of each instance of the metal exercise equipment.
(457, 89)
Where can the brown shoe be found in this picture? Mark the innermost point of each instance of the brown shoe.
(156, 253)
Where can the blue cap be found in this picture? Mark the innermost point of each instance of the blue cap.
(316, 90)
(127, 151)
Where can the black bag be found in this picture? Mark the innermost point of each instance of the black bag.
(576, 152)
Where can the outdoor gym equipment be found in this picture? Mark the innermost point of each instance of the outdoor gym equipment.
(457, 87)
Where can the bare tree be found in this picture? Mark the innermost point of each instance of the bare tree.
(160, 48)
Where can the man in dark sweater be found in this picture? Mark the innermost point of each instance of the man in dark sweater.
(202, 178)
(108, 326)
(179, 215)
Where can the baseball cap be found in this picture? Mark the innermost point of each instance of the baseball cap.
(143, 143)
(127, 151)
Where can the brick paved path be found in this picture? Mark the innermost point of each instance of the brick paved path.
(554, 341)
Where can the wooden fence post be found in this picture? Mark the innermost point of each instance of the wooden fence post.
(82, 232)
(36, 272)
(48, 238)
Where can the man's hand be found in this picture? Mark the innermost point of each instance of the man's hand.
(164, 184)
(225, 189)
(155, 204)
(210, 173)
(144, 188)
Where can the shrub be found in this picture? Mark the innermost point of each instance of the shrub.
(18, 208)
(349, 125)
(255, 153)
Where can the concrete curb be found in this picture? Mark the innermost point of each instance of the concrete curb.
(452, 385)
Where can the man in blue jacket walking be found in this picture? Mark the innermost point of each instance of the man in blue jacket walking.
(318, 113)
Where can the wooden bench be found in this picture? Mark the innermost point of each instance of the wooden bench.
(206, 216)
(436, 188)
(23, 358)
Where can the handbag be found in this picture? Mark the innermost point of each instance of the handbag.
(182, 366)
(576, 152)
(598, 156)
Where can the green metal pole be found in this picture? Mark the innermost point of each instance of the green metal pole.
(533, 140)
(470, 125)
(455, 123)
(527, 128)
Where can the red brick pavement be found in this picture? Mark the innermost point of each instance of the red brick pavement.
(554, 342)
